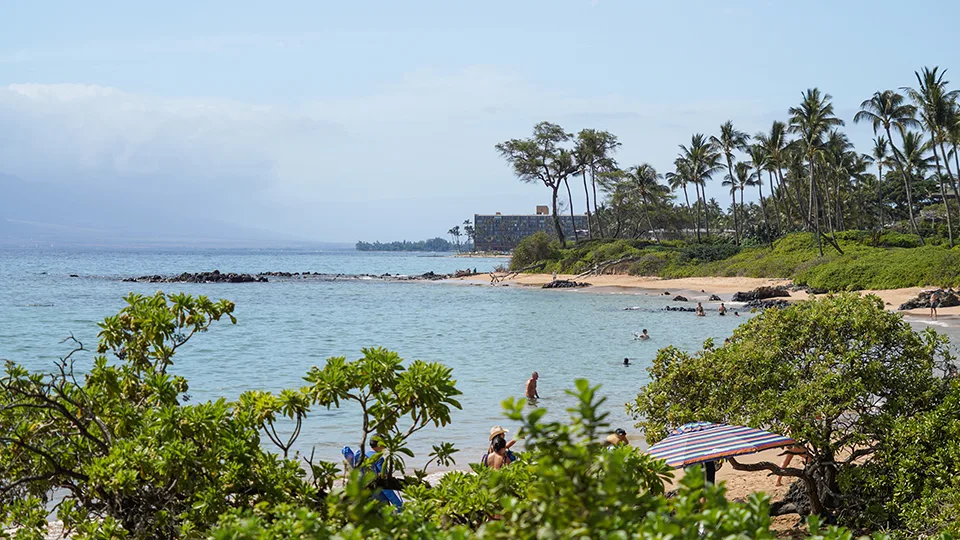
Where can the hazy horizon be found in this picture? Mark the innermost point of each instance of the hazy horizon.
(322, 122)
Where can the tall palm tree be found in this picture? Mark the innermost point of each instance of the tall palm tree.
(679, 178)
(646, 181)
(704, 161)
(811, 120)
(936, 106)
(731, 139)
(879, 155)
(776, 144)
(594, 151)
(887, 110)
(759, 159)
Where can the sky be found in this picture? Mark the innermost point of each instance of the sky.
(346, 121)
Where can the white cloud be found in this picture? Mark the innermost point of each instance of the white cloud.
(335, 169)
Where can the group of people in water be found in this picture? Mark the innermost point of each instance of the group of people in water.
(722, 310)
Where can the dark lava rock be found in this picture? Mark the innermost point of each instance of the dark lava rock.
(564, 284)
(714, 298)
(679, 298)
(74, 275)
(761, 293)
(766, 304)
(201, 277)
(684, 309)
(947, 298)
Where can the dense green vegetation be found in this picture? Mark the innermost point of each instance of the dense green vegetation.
(434, 244)
(872, 403)
(132, 458)
(806, 174)
(870, 260)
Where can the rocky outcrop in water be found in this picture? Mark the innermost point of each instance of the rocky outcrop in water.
(761, 293)
(946, 298)
(714, 298)
(684, 309)
(680, 298)
(565, 284)
(201, 277)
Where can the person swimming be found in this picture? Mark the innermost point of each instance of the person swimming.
(643, 335)
(722, 310)
(700, 312)
(626, 361)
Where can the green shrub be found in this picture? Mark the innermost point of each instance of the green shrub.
(537, 247)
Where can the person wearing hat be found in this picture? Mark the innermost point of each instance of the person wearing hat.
(498, 454)
(617, 438)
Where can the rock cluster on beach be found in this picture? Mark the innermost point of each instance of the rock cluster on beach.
(946, 298)
(565, 284)
(766, 304)
(761, 293)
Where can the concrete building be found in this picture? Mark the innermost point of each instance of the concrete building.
(500, 232)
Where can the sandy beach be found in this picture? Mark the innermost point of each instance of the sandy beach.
(700, 288)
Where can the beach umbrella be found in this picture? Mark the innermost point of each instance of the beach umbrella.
(701, 442)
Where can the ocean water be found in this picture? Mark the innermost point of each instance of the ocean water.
(492, 337)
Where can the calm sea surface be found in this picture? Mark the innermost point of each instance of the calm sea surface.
(493, 337)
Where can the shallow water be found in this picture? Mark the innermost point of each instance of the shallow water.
(493, 337)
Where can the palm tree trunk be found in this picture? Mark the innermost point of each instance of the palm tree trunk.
(556, 218)
(573, 220)
(880, 192)
(906, 183)
(646, 210)
(706, 211)
(776, 196)
(586, 193)
(943, 194)
(733, 199)
(696, 186)
(816, 215)
(736, 226)
(686, 197)
(596, 212)
(950, 177)
(763, 207)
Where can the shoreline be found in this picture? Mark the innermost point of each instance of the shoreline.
(700, 288)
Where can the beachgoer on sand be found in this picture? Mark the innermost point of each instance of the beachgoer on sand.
(617, 438)
(788, 455)
(497, 432)
(934, 304)
(532, 386)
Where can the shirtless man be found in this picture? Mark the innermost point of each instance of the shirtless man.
(532, 386)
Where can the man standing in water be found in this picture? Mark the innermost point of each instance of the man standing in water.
(532, 386)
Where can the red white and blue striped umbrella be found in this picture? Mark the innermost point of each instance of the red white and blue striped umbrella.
(699, 442)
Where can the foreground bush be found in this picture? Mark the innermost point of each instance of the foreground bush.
(131, 460)
(841, 375)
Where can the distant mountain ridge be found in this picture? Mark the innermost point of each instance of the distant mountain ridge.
(35, 213)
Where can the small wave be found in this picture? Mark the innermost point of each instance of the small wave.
(931, 323)
(38, 305)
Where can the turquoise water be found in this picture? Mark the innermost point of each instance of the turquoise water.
(493, 337)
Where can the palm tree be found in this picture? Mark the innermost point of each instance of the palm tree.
(887, 109)
(736, 183)
(679, 178)
(759, 159)
(646, 181)
(731, 139)
(937, 108)
(594, 151)
(704, 162)
(776, 145)
(811, 120)
(879, 156)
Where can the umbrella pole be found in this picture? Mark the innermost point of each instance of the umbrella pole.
(710, 470)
